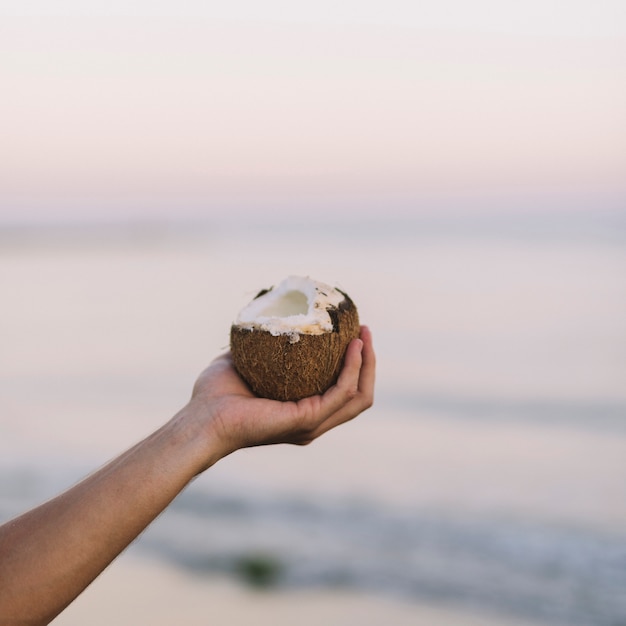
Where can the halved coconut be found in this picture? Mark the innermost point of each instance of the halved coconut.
(289, 342)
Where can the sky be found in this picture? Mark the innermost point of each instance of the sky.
(158, 108)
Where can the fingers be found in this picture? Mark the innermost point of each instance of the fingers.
(358, 384)
(367, 377)
(347, 384)
(354, 391)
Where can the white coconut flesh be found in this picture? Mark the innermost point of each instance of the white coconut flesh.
(298, 306)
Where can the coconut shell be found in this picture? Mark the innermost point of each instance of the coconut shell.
(276, 367)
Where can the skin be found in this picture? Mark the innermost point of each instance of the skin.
(50, 554)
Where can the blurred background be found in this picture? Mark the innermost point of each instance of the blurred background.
(457, 168)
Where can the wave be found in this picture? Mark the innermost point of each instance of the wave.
(593, 414)
(528, 570)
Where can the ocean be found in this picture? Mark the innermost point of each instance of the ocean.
(489, 475)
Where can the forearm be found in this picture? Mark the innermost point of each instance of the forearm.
(50, 554)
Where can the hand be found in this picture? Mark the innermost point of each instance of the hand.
(239, 419)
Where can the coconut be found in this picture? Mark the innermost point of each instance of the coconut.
(289, 342)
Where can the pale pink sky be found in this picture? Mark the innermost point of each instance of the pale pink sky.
(152, 107)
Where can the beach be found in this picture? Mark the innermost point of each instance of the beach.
(456, 169)
(147, 586)
(167, 597)
(486, 485)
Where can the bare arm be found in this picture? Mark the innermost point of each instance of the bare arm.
(49, 555)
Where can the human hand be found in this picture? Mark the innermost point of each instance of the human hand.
(236, 418)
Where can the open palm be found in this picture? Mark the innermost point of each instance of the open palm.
(240, 419)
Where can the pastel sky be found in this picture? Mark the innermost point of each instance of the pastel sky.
(153, 107)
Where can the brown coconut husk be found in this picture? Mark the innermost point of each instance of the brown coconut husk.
(276, 367)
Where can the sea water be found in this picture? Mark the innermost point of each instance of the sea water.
(491, 472)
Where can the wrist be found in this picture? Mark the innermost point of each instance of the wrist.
(192, 429)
